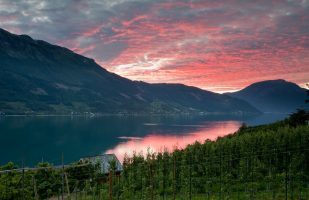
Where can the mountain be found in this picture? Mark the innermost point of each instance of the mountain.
(274, 96)
(38, 77)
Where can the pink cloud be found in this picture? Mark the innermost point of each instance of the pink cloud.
(209, 44)
(92, 31)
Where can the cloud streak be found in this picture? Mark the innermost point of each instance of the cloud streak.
(217, 45)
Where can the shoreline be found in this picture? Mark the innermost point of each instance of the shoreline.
(137, 115)
(145, 114)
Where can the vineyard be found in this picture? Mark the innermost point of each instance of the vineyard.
(262, 162)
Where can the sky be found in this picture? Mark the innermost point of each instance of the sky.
(217, 45)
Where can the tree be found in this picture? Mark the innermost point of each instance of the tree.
(48, 180)
(300, 117)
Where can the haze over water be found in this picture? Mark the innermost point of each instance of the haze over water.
(45, 138)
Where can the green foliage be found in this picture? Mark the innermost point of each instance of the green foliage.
(83, 174)
(262, 162)
(301, 117)
(47, 179)
(254, 162)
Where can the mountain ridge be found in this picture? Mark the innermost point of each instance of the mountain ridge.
(274, 96)
(41, 78)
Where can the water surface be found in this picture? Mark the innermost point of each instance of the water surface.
(34, 139)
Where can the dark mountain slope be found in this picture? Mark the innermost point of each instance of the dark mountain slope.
(38, 77)
(273, 96)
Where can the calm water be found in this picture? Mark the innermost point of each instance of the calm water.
(45, 138)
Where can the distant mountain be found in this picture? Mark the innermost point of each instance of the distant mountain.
(273, 96)
(38, 77)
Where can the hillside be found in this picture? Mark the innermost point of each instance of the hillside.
(40, 78)
(262, 162)
(274, 96)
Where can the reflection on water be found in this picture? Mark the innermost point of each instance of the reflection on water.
(158, 143)
(34, 139)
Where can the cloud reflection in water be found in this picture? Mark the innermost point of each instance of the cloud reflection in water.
(159, 142)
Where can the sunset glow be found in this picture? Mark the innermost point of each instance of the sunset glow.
(159, 143)
(215, 45)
